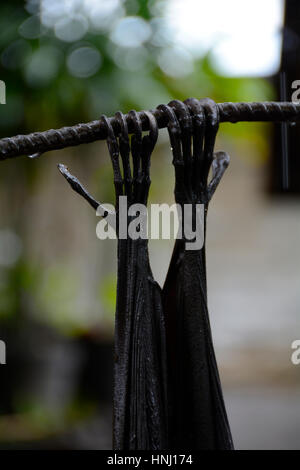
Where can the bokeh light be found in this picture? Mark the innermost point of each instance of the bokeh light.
(84, 62)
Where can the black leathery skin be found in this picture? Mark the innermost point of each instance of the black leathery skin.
(197, 414)
(140, 406)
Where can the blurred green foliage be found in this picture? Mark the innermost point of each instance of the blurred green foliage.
(58, 73)
(42, 90)
(108, 294)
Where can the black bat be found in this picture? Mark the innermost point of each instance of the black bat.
(140, 378)
(140, 401)
(197, 415)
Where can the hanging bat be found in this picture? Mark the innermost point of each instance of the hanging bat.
(140, 388)
(197, 415)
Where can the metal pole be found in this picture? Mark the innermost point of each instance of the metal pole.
(54, 139)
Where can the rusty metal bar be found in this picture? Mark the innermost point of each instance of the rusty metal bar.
(54, 139)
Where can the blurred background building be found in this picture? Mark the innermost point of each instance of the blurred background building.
(69, 61)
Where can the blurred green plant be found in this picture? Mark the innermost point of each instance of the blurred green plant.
(107, 295)
(70, 61)
(17, 284)
(64, 64)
